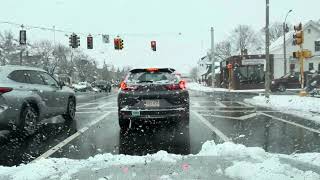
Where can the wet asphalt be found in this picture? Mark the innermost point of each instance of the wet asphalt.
(96, 131)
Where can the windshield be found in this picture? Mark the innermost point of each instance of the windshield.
(152, 77)
(159, 90)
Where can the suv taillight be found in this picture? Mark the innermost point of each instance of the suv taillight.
(124, 86)
(181, 85)
(5, 90)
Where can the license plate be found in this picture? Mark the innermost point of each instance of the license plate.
(151, 103)
(135, 113)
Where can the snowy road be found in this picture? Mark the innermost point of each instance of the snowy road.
(220, 117)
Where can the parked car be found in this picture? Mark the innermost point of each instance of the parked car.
(103, 85)
(82, 87)
(28, 95)
(289, 81)
(152, 94)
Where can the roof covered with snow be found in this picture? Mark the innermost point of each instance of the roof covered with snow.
(279, 42)
(289, 36)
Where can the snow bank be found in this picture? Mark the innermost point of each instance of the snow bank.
(198, 87)
(245, 163)
(306, 107)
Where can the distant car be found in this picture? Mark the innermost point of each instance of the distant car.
(28, 95)
(152, 94)
(82, 87)
(103, 85)
(289, 81)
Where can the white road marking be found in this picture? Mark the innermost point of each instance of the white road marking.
(85, 104)
(196, 104)
(70, 138)
(248, 116)
(227, 107)
(248, 111)
(94, 112)
(102, 105)
(244, 104)
(289, 122)
(211, 127)
(232, 117)
(220, 104)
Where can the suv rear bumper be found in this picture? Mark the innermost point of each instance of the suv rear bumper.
(153, 113)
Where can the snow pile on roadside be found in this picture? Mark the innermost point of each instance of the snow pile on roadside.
(198, 87)
(305, 107)
(247, 163)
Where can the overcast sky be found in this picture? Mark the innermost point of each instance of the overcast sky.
(140, 21)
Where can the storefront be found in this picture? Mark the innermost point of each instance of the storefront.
(248, 72)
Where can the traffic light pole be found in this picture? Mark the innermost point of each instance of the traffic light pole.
(267, 76)
(302, 67)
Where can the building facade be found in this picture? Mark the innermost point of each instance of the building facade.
(311, 42)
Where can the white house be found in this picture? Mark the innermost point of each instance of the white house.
(311, 42)
(204, 68)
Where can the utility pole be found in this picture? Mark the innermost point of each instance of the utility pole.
(284, 43)
(267, 76)
(284, 49)
(212, 58)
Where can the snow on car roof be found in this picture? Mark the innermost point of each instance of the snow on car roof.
(17, 67)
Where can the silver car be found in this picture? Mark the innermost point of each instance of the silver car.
(28, 95)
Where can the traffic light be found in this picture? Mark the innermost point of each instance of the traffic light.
(71, 40)
(74, 40)
(298, 36)
(89, 42)
(77, 41)
(296, 54)
(23, 37)
(153, 45)
(121, 44)
(116, 43)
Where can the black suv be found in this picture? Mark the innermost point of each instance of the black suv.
(152, 95)
(103, 85)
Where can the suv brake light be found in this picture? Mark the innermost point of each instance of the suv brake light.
(152, 69)
(125, 87)
(181, 85)
(5, 90)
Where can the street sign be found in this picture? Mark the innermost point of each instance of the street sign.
(106, 38)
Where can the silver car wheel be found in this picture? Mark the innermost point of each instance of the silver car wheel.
(72, 109)
(30, 121)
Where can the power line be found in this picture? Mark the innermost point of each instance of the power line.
(52, 29)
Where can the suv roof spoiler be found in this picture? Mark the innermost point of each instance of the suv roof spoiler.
(169, 70)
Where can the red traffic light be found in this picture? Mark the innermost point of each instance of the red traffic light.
(154, 45)
(90, 42)
(117, 43)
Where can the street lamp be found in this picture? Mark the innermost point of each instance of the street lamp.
(284, 42)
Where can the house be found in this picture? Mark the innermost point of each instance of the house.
(204, 70)
(311, 42)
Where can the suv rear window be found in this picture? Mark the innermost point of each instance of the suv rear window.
(152, 77)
